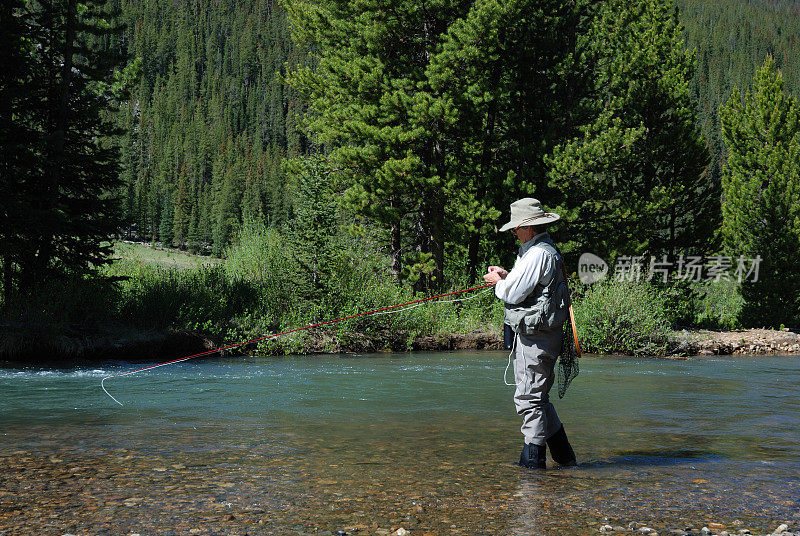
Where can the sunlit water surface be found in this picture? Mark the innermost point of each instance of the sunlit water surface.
(371, 443)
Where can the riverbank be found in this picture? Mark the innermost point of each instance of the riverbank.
(43, 344)
(706, 528)
(157, 305)
(735, 342)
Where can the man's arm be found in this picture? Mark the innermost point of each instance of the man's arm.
(525, 275)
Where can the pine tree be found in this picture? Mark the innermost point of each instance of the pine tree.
(633, 176)
(70, 188)
(181, 212)
(495, 69)
(18, 160)
(761, 188)
(313, 227)
(369, 101)
(166, 221)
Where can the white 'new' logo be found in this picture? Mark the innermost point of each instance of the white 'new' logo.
(591, 268)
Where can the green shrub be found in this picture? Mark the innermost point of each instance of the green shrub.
(622, 317)
(263, 260)
(67, 298)
(166, 297)
(719, 305)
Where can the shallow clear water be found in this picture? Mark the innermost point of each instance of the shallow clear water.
(423, 441)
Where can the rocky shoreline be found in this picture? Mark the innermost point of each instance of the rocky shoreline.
(735, 342)
(54, 343)
(709, 529)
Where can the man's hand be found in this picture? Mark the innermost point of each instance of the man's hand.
(500, 271)
(494, 275)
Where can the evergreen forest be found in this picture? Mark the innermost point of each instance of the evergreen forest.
(210, 120)
(403, 128)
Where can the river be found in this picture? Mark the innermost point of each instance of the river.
(368, 444)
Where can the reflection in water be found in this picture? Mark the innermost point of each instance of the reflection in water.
(426, 442)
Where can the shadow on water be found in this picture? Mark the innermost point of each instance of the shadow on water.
(653, 458)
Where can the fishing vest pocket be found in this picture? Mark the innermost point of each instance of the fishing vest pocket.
(550, 311)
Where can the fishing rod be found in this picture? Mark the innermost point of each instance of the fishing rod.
(383, 310)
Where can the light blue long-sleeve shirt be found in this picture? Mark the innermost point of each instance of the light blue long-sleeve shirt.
(532, 266)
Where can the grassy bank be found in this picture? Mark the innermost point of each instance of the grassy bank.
(166, 302)
(257, 290)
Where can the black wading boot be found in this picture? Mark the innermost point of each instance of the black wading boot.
(533, 456)
(560, 449)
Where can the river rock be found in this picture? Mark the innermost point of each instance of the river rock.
(606, 528)
(401, 532)
(678, 532)
(716, 526)
(781, 528)
(743, 531)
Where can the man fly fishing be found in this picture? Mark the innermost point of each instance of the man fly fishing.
(537, 303)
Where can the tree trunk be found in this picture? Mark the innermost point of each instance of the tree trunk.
(437, 246)
(472, 253)
(394, 239)
(7, 282)
(60, 118)
(395, 242)
(430, 238)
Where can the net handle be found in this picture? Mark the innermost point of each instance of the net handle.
(571, 313)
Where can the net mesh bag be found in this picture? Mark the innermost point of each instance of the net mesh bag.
(567, 360)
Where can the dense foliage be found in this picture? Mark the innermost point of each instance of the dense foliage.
(436, 118)
(630, 177)
(732, 39)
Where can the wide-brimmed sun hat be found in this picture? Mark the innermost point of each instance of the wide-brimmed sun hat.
(528, 211)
